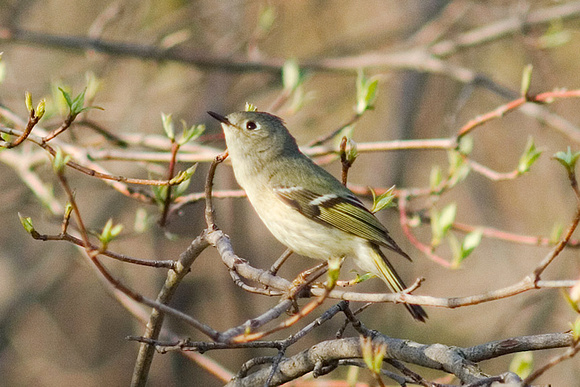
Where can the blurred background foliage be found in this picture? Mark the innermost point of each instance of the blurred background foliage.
(57, 325)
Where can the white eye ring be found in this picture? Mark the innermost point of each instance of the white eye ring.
(251, 125)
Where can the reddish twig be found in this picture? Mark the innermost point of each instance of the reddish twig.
(404, 221)
(490, 232)
(64, 126)
(170, 174)
(305, 311)
(32, 121)
(570, 353)
(345, 162)
(542, 98)
(489, 173)
(93, 172)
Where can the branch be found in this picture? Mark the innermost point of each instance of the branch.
(506, 27)
(453, 360)
(174, 278)
(498, 348)
(426, 58)
(219, 240)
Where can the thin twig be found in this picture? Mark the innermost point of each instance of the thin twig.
(321, 140)
(167, 264)
(154, 325)
(280, 261)
(89, 171)
(170, 174)
(218, 239)
(113, 138)
(404, 221)
(570, 353)
(305, 311)
(32, 121)
(547, 97)
(64, 126)
(209, 214)
(252, 289)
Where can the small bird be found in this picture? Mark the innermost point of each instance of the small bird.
(305, 207)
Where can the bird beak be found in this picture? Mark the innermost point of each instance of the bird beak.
(220, 118)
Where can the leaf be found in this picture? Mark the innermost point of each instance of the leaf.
(463, 250)
(373, 353)
(41, 108)
(447, 216)
(291, 77)
(471, 241)
(366, 91)
(526, 80)
(555, 36)
(384, 200)
(159, 193)
(366, 346)
(66, 96)
(556, 233)
(575, 292)
(466, 145)
(60, 160)
(352, 376)
(371, 92)
(522, 364)
(333, 271)
(2, 69)
(68, 208)
(76, 104)
(573, 304)
(441, 222)
(364, 277)
(26, 223)
(28, 101)
(168, 126)
(266, 18)
(93, 85)
(109, 233)
(576, 329)
(379, 355)
(455, 251)
(436, 231)
(435, 178)
(250, 107)
(530, 155)
(180, 188)
(414, 221)
(458, 168)
(190, 134)
(567, 159)
(298, 98)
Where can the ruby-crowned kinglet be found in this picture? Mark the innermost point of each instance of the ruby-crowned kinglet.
(303, 205)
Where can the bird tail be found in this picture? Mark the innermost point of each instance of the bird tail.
(387, 273)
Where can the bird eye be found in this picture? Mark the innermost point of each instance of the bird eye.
(251, 125)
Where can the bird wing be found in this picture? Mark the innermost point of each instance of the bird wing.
(345, 212)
